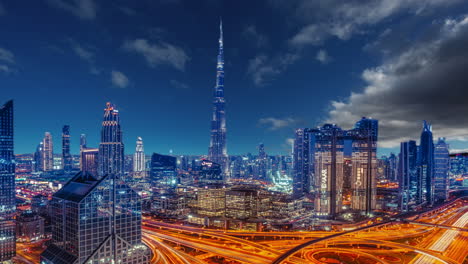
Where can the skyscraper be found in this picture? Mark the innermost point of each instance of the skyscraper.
(66, 156)
(426, 165)
(38, 155)
(7, 183)
(139, 159)
(96, 221)
(408, 175)
(47, 153)
(441, 170)
(217, 151)
(262, 162)
(302, 166)
(364, 164)
(163, 170)
(82, 141)
(89, 161)
(111, 149)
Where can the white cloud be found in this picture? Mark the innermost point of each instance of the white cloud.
(323, 56)
(262, 69)
(2, 10)
(82, 52)
(426, 81)
(119, 79)
(342, 19)
(273, 123)
(7, 56)
(159, 53)
(253, 36)
(179, 85)
(84, 9)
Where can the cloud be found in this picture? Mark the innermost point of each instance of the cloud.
(179, 85)
(119, 79)
(425, 81)
(159, 53)
(273, 123)
(253, 36)
(128, 11)
(341, 19)
(2, 10)
(83, 9)
(323, 56)
(82, 52)
(263, 69)
(7, 58)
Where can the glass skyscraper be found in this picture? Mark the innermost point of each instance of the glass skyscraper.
(96, 221)
(217, 151)
(111, 149)
(163, 170)
(7, 183)
(302, 167)
(139, 162)
(408, 177)
(426, 165)
(47, 153)
(441, 170)
(66, 156)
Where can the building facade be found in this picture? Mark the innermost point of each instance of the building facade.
(139, 162)
(7, 183)
(66, 156)
(408, 177)
(89, 160)
(96, 221)
(47, 153)
(163, 170)
(111, 148)
(426, 165)
(441, 170)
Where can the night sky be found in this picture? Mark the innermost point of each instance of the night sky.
(289, 64)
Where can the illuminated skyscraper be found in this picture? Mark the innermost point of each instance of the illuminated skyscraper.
(89, 161)
(163, 170)
(328, 151)
(426, 165)
(111, 149)
(302, 163)
(441, 170)
(38, 155)
(66, 156)
(262, 162)
(217, 151)
(7, 183)
(47, 153)
(408, 175)
(364, 164)
(95, 221)
(139, 159)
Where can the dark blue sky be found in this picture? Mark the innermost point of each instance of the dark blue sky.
(286, 61)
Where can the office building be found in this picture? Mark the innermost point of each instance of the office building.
(441, 170)
(111, 148)
(66, 156)
(139, 162)
(7, 183)
(426, 165)
(96, 221)
(90, 160)
(408, 176)
(163, 170)
(47, 153)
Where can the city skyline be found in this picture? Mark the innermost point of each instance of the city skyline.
(294, 63)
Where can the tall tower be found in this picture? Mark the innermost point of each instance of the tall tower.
(217, 151)
(66, 156)
(426, 165)
(139, 159)
(111, 149)
(441, 170)
(47, 153)
(7, 182)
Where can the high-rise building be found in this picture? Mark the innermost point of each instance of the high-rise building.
(139, 160)
(441, 170)
(38, 155)
(302, 166)
(262, 163)
(82, 141)
(217, 151)
(47, 153)
(7, 183)
(66, 156)
(163, 170)
(392, 167)
(408, 178)
(364, 164)
(96, 221)
(328, 153)
(111, 149)
(426, 165)
(89, 161)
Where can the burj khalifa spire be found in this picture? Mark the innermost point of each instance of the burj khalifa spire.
(217, 151)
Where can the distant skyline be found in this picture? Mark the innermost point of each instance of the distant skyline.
(288, 64)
